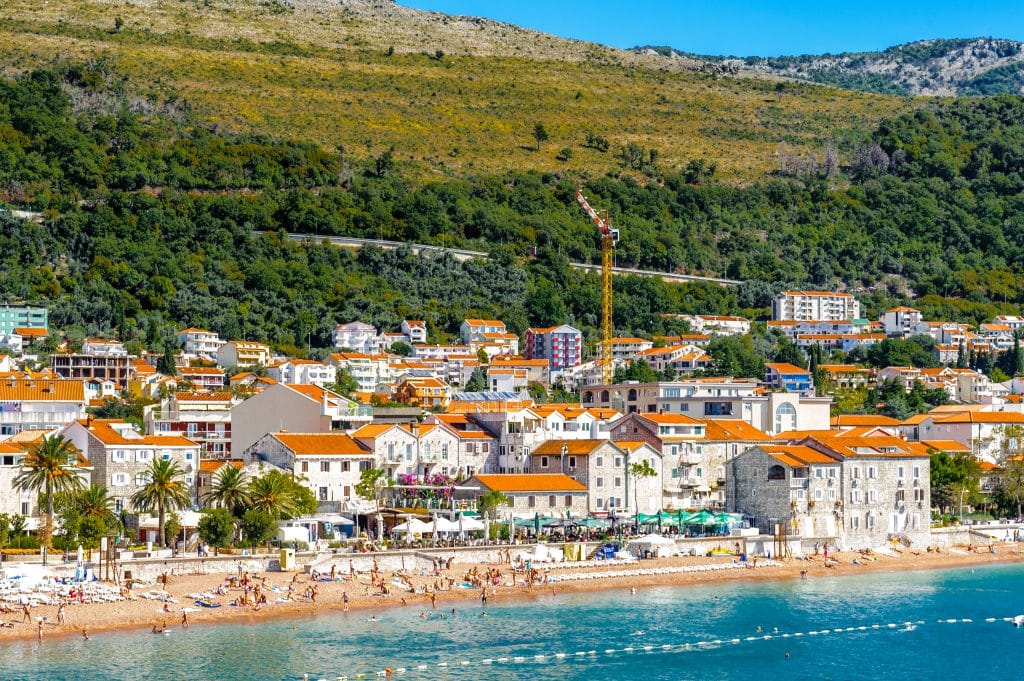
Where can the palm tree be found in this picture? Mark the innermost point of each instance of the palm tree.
(94, 502)
(229, 489)
(50, 467)
(272, 493)
(165, 491)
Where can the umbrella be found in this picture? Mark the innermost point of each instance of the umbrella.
(408, 529)
(536, 523)
(470, 524)
(380, 526)
(702, 517)
(434, 528)
(462, 526)
(593, 523)
(659, 522)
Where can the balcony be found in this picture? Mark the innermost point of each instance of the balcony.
(798, 483)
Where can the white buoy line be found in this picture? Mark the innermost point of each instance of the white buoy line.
(696, 646)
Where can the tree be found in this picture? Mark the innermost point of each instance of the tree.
(258, 526)
(1010, 488)
(401, 348)
(273, 495)
(118, 24)
(96, 517)
(345, 384)
(540, 134)
(172, 527)
(953, 478)
(477, 382)
(230, 489)
(490, 503)
(165, 363)
(165, 491)
(638, 470)
(370, 482)
(217, 527)
(50, 467)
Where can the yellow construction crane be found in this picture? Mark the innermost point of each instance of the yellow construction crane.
(609, 237)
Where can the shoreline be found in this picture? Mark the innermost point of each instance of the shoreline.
(142, 614)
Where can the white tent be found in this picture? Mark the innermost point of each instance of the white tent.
(413, 526)
(469, 524)
(446, 526)
(657, 544)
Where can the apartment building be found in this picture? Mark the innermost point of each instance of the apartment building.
(815, 305)
(39, 404)
(200, 342)
(243, 354)
(202, 417)
(561, 346)
(14, 317)
(356, 337)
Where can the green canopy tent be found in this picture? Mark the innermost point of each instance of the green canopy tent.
(593, 523)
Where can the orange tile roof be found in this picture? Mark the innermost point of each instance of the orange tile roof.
(321, 444)
(531, 482)
(785, 368)
(201, 371)
(102, 430)
(31, 332)
(864, 420)
(872, 446)
(372, 430)
(829, 294)
(484, 322)
(313, 392)
(988, 466)
(946, 445)
(796, 456)
(667, 419)
(214, 465)
(632, 445)
(47, 389)
(982, 417)
(843, 368)
(573, 447)
(729, 429)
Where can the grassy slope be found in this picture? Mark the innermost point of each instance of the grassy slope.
(321, 74)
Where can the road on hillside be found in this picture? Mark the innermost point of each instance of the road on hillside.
(462, 255)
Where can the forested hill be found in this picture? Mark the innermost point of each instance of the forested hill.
(149, 221)
(970, 66)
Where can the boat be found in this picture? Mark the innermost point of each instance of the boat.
(206, 604)
(1018, 621)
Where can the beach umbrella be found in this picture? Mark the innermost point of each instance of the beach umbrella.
(80, 554)
(659, 521)
(462, 527)
(487, 526)
(434, 529)
(408, 529)
(380, 526)
(536, 524)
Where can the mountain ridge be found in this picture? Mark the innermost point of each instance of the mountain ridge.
(933, 67)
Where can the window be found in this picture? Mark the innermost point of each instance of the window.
(801, 494)
(551, 500)
(142, 479)
(855, 522)
(918, 495)
(572, 462)
(832, 495)
(531, 501)
(143, 455)
(543, 462)
(600, 503)
(618, 462)
(855, 472)
(915, 521)
(408, 452)
(189, 454)
(322, 496)
(364, 466)
(120, 479)
(775, 472)
(872, 472)
(568, 500)
(304, 467)
(899, 471)
(901, 495)
(599, 482)
(855, 496)
(25, 508)
(346, 466)
(618, 482)
(444, 452)
(819, 494)
(871, 521)
(832, 472)
(117, 455)
(675, 472)
(785, 417)
(872, 496)
(600, 462)
(819, 472)
(917, 472)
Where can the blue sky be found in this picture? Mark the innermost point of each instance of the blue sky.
(745, 27)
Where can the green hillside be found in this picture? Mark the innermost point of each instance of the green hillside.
(449, 95)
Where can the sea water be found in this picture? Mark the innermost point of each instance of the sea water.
(730, 630)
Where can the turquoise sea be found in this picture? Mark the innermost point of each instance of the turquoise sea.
(692, 632)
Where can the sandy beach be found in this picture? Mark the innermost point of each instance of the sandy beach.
(143, 614)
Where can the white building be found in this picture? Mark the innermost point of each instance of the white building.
(480, 329)
(721, 325)
(900, 322)
(200, 342)
(356, 336)
(303, 371)
(329, 464)
(815, 305)
(293, 408)
(39, 404)
(121, 456)
(415, 330)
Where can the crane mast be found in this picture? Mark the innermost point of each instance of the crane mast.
(609, 237)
